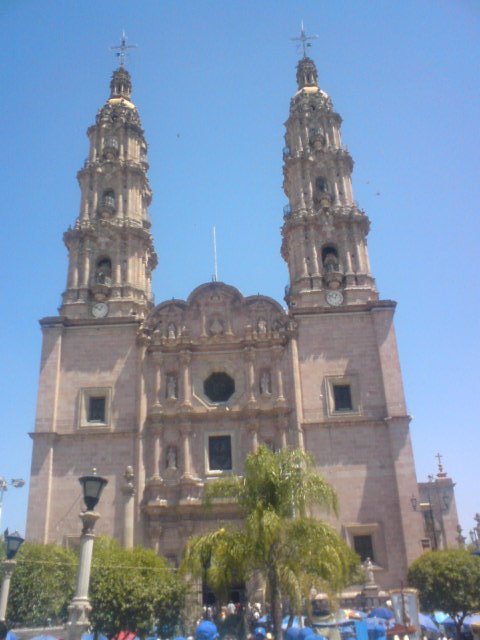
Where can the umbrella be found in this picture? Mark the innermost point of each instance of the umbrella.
(11, 636)
(440, 617)
(295, 623)
(427, 623)
(381, 612)
(469, 620)
(125, 635)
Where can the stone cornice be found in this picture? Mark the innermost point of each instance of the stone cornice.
(63, 321)
(81, 433)
(216, 414)
(352, 308)
(218, 344)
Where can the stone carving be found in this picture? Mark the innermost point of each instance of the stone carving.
(265, 383)
(171, 458)
(171, 387)
(368, 568)
(216, 327)
(262, 326)
(172, 331)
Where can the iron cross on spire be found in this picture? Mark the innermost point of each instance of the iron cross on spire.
(440, 465)
(121, 49)
(304, 39)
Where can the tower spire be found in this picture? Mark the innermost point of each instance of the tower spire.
(324, 231)
(111, 252)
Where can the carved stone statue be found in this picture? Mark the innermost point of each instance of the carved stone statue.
(172, 331)
(171, 458)
(262, 326)
(368, 568)
(265, 383)
(171, 387)
(216, 327)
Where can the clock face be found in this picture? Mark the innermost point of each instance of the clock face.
(334, 298)
(99, 310)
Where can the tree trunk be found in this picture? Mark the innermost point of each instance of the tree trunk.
(275, 603)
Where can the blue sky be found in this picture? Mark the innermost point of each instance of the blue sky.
(212, 81)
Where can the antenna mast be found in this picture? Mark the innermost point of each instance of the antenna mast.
(215, 264)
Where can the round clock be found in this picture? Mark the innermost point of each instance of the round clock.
(99, 310)
(334, 298)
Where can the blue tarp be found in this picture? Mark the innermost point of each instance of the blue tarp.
(427, 623)
(469, 620)
(381, 612)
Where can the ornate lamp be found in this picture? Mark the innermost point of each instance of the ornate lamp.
(13, 542)
(92, 486)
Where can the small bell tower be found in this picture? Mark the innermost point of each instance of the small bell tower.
(110, 248)
(324, 231)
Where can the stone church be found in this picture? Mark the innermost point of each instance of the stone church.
(164, 398)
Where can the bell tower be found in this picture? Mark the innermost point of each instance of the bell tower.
(110, 248)
(324, 231)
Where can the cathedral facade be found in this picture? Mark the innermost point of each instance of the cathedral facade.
(164, 399)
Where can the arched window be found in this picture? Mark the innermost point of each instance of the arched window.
(321, 185)
(108, 199)
(330, 259)
(111, 144)
(103, 271)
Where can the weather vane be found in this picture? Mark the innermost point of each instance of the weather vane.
(304, 39)
(121, 49)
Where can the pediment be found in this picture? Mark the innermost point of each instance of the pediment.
(215, 311)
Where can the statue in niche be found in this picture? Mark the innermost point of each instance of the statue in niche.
(171, 458)
(331, 263)
(172, 331)
(171, 387)
(216, 327)
(262, 326)
(265, 383)
(368, 568)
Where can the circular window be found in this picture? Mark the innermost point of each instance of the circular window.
(219, 387)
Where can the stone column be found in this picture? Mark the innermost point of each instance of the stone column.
(253, 431)
(278, 373)
(128, 491)
(185, 359)
(249, 358)
(86, 265)
(8, 567)
(359, 250)
(282, 428)
(79, 610)
(157, 454)
(155, 531)
(186, 430)
(313, 254)
(297, 386)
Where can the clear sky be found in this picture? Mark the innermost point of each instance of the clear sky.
(212, 81)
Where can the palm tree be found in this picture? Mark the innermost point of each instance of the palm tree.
(292, 550)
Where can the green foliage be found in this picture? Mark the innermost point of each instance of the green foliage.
(448, 581)
(293, 551)
(42, 585)
(133, 590)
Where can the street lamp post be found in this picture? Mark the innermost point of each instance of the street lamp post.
(79, 609)
(16, 483)
(13, 542)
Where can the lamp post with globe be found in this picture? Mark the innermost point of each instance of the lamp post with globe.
(12, 545)
(79, 609)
